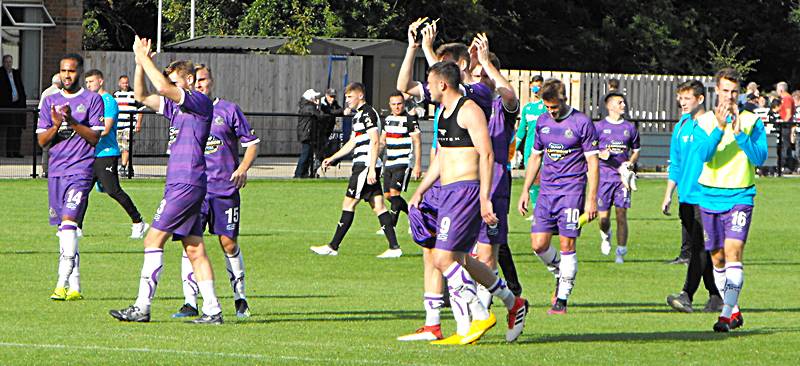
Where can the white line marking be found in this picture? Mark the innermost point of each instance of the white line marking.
(192, 353)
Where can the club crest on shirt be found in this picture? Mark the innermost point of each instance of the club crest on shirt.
(218, 120)
(626, 133)
(568, 133)
(213, 144)
(556, 151)
(80, 108)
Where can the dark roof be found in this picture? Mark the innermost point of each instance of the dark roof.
(319, 45)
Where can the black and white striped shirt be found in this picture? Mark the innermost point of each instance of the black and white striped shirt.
(398, 131)
(365, 120)
(126, 103)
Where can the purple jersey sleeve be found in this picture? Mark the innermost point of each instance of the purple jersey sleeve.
(96, 113)
(45, 120)
(242, 128)
(195, 102)
(167, 108)
(589, 137)
(537, 141)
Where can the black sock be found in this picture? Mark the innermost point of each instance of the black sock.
(398, 204)
(388, 229)
(341, 229)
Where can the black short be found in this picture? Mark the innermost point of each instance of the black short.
(396, 177)
(359, 188)
(105, 171)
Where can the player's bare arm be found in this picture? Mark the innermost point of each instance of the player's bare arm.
(239, 176)
(593, 179)
(374, 149)
(534, 164)
(346, 149)
(430, 177)
(416, 141)
(404, 82)
(475, 122)
(502, 86)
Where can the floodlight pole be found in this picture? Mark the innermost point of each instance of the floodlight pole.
(191, 26)
(158, 36)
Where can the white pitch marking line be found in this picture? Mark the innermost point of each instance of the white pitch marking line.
(185, 352)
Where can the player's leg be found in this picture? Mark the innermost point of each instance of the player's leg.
(569, 210)
(345, 221)
(188, 279)
(432, 301)
(234, 264)
(545, 222)
(622, 233)
(196, 251)
(505, 260)
(605, 200)
(148, 282)
(351, 198)
(465, 304)
(70, 199)
(398, 204)
(736, 224)
(108, 177)
(604, 221)
(387, 225)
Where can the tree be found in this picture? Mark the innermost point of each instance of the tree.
(276, 17)
(212, 17)
(727, 55)
(94, 36)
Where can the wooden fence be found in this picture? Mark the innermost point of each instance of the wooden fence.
(257, 82)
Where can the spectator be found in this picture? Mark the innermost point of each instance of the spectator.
(306, 125)
(54, 87)
(331, 109)
(126, 102)
(774, 119)
(613, 87)
(750, 105)
(787, 132)
(752, 88)
(12, 95)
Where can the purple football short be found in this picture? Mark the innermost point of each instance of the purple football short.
(612, 194)
(221, 214)
(731, 224)
(501, 201)
(559, 213)
(68, 196)
(179, 211)
(423, 219)
(459, 216)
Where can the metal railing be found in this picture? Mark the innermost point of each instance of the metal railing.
(279, 148)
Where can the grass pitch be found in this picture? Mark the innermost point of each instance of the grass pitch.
(349, 309)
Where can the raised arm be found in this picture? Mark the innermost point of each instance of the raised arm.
(142, 95)
(164, 87)
(405, 83)
(502, 86)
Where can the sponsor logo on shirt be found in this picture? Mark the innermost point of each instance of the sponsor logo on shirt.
(546, 130)
(557, 151)
(616, 147)
(213, 144)
(607, 131)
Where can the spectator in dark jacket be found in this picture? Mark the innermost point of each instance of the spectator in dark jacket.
(306, 127)
(12, 95)
(331, 109)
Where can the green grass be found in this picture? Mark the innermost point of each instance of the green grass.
(349, 309)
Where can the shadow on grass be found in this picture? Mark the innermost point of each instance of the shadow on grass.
(337, 316)
(694, 335)
(37, 252)
(277, 296)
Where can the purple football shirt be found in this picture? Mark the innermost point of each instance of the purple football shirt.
(70, 154)
(621, 139)
(222, 154)
(501, 129)
(478, 93)
(190, 124)
(565, 145)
